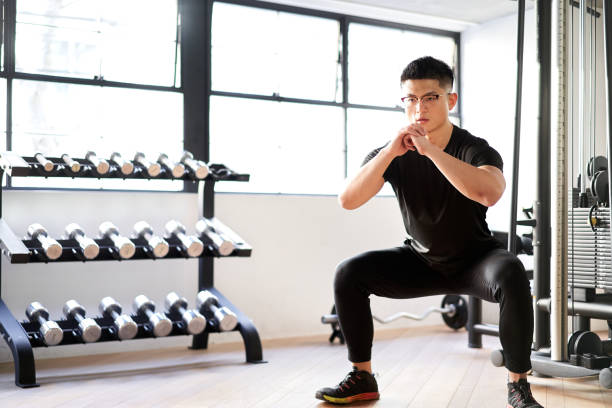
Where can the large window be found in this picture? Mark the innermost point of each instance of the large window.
(378, 55)
(286, 147)
(127, 41)
(100, 75)
(266, 52)
(280, 107)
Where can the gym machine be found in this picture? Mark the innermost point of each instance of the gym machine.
(113, 324)
(580, 245)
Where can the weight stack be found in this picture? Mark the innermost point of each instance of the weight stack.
(589, 255)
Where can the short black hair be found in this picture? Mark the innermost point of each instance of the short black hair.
(429, 68)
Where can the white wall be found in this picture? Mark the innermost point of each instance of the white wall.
(488, 95)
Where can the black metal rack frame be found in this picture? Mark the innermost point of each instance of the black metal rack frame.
(23, 337)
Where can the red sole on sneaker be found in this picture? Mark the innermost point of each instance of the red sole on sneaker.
(366, 396)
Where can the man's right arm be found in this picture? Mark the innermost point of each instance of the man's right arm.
(369, 179)
(367, 182)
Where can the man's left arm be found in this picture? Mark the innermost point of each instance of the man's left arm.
(483, 184)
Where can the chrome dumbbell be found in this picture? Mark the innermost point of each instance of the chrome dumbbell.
(51, 247)
(125, 325)
(127, 249)
(176, 169)
(125, 166)
(162, 326)
(208, 305)
(160, 247)
(199, 168)
(153, 169)
(73, 165)
(51, 332)
(46, 164)
(90, 330)
(208, 234)
(192, 245)
(88, 246)
(100, 165)
(194, 321)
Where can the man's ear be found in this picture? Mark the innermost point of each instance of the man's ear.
(452, 100)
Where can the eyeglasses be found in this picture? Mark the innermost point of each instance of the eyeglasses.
(426, 100)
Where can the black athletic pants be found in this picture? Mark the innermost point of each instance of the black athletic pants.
(497, 276)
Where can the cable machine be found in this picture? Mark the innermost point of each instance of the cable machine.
(579, 283)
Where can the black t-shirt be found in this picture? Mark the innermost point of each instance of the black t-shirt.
(444, 227)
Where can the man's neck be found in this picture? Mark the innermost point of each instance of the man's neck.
(441, 136)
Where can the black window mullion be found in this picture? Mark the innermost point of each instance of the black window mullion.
(196, 16)
(9, 29)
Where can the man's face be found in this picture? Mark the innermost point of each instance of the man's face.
(427, 103)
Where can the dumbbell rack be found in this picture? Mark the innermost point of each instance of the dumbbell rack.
(21, 337)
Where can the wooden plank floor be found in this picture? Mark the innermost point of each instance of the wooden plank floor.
(422, 368)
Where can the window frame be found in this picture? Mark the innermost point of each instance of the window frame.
(194, 45)
(9, 73)
(344, 21)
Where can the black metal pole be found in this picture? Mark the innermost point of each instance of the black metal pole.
(517, 125)
(542, 233)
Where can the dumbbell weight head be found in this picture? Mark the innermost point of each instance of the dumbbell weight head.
(127, 249)
(195, 322)
(177, 169)
(90, 330)
(50, 330)
(102, 165)
(227, 319)
(194, 246)
(126, 326)
(88, 245)
(159, 245)
(162, 326)
(153, 169)
(52, 248)
(74, 165)
(198, 167)
(46, 163)
(126, 167)
(225, 246)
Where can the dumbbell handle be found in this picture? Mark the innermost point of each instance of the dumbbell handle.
(76, 316)
(83, 240)
(147, 235)
(148, 312)
(117, 239)
(45, 240)
(93, 158)
(113, 314)
(185, 240)
(41, 320)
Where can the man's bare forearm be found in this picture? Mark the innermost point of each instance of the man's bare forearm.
(484, 185)
(367, 182)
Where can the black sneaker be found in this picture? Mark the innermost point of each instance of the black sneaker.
(356, 386)
(519, 395)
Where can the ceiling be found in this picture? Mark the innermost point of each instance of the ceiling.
(472, 11)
